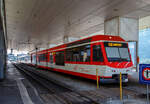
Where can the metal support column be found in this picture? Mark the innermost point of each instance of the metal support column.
(36, 55)
(137, 56)
(3, 39)
(147, 94)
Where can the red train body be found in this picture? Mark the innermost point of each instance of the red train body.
(109, 54)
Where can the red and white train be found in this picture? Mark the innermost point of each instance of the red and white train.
(108, 54)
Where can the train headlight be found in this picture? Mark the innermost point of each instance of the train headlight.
(108, 70)
(113, 70)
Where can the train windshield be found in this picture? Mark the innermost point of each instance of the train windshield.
(117, 51)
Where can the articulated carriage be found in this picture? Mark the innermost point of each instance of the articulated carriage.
(108, 54)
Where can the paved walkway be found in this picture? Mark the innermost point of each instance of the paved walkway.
(13, 90)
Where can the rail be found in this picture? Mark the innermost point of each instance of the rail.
(52, 85)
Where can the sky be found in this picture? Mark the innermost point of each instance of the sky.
(144, 46)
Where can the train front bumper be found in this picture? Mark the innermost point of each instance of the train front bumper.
(114, 74)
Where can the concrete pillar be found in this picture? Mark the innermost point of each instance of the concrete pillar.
(3, 54)
(127, 28)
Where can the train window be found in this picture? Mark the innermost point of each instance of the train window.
(79, 54)
(60, 58)
(117, 54)
(76, 54)
(51, 58)
(72, 54)
(69, 55)
(42, 57)
(85, 53)
(97, 54)
(124, 53)
(117, 51)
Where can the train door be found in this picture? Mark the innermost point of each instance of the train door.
(59, 58)
(97, 57)
(51, 59)
(47, 59)
(97, 54)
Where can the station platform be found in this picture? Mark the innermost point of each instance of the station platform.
(15, 89)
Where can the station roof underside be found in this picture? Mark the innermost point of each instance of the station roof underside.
(32, 23)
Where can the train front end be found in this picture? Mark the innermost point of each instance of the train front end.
(117, 60)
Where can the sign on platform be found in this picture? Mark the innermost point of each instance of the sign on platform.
(144, 77)
(144, 73)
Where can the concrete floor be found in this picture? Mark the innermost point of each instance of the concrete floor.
(9, 91)
(77, 83)
(18, 90)
(80, 84)
(15, 89)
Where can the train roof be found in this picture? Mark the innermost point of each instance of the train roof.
(86, 40)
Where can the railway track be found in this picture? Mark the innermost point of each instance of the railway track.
(137, 91)
(58, 93)
(68, 95)
(52, 86)
(129, 91)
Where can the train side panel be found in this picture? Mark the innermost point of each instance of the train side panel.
(82, 58)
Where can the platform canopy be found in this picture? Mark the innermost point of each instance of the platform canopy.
(32, 23)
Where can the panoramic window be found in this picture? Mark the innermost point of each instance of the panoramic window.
(42, 57)
(85, 53)
(112, 52)
(79, 54)
(124, 53)
(117, 51)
